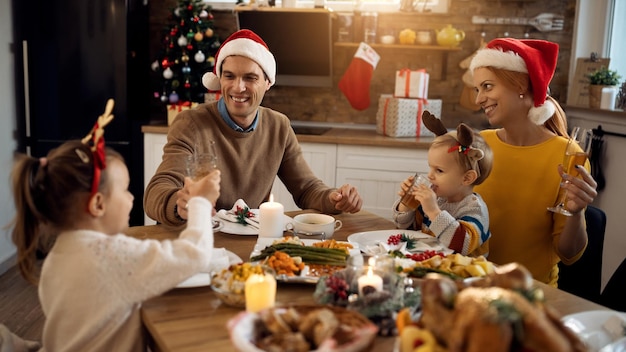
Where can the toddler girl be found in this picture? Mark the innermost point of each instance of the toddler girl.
(449, 209)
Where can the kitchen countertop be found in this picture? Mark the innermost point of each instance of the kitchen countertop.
(351, 135)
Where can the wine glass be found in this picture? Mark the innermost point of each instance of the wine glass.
(576, 153)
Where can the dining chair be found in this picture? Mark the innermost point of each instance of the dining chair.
(583, 278)
(614, 293)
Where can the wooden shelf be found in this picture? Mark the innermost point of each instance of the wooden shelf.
(401, 46)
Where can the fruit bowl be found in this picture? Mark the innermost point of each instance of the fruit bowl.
(232, 298)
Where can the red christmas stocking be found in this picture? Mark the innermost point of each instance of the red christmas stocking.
(355, 82)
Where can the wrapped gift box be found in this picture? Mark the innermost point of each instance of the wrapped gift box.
(411, 84)
(174, 109)
(402, 117)
(212, 97)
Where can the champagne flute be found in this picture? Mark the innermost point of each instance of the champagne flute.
(576, 153)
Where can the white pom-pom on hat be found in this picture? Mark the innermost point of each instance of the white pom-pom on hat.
(242, 43)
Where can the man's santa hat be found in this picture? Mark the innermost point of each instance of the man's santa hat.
(537, 58)
(242, 43)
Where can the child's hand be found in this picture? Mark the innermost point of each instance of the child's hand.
(405, 185)
(428, 199)
(207, 187)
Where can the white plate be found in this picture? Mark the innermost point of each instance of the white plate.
(204, 279)
(589, 327)
(234, 228)
(368, 241)
(263, 242)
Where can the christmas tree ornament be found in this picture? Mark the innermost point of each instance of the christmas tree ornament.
(199, 57)
(155, 65)
(355, 82)
(173, 98)
(211, 60)
(187, 40)
(168, 73)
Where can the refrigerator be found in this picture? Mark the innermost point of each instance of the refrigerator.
(70, 57)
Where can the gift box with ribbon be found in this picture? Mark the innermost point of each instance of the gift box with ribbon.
(174, 109)
(211, 97)
(411, 84)
(402, 117)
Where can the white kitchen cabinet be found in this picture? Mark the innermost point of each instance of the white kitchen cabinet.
(153, 144)
(613, 164)
(321, 157)
(377, 173)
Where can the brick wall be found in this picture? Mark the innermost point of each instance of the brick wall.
(329, 104)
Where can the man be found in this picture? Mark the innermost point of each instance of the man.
(254, 144)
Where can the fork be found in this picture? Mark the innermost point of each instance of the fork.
(547, 22)
(544, 22)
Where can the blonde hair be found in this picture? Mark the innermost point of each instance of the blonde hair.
(466, 160)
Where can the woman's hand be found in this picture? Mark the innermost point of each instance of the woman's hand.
(581, 191)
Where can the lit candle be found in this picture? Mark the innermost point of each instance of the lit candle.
(372, 280)
(260, 291)
(271, 219)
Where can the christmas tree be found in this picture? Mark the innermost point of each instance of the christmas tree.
(187, 52)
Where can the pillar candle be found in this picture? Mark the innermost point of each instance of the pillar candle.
(260, 291)
(271, 219)
(370, 279)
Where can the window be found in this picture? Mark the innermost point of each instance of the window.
(617, 47)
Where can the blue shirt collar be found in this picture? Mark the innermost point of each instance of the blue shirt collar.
(221, 107)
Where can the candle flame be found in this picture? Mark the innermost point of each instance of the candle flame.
(271, 197)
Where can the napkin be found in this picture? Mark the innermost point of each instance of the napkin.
(231, 215)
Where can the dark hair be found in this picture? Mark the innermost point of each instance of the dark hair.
(47, 193)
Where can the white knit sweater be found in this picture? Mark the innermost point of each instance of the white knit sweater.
(92, 284)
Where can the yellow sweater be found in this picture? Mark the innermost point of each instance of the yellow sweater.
(524, 182)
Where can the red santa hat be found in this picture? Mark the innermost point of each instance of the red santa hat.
(242, 43)
(537, 58)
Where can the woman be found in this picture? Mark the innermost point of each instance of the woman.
(511, 78)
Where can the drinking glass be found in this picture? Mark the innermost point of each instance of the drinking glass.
(576, 153)
(408, 200)
(202, 162)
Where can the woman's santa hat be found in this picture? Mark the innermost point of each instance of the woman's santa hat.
(242, 43)
(537, 58)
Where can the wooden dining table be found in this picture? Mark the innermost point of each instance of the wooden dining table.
(194, 319)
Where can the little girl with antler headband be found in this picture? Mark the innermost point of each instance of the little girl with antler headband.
(449, 209)
(94, 278)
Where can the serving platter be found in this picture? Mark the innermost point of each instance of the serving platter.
(306, 276)
(590, 327)
(375, 242)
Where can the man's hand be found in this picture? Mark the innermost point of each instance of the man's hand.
(346, 199)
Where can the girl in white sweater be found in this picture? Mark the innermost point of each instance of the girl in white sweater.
(94, 279)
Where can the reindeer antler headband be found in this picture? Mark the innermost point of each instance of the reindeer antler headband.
(96, 138)
(464, 137)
